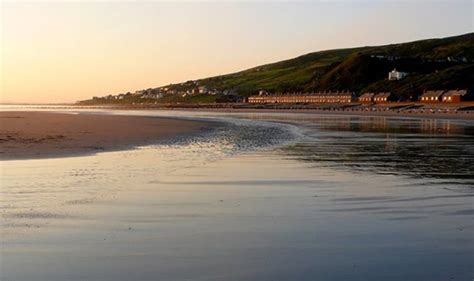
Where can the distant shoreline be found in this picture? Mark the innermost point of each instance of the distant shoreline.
(33, 135)
(458, 116)
(464, 111)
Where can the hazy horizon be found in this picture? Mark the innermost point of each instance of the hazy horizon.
(62, 52)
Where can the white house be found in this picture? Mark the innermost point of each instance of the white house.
(202, 90)
(396, 75)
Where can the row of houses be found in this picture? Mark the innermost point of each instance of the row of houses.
(152, 95)
(446, 96)
(376, 97)
(320, 97)
(143, 94)
(451, 96)
(204, 90)
(158, 93)
(198, 90)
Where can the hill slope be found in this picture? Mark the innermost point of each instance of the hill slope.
(432, 63)
(446, 63)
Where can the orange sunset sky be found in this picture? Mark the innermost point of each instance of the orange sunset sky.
(56, 52)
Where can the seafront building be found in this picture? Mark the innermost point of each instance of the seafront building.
(456, 96)
(450, 96)
(367, 98)
(384, 97)
(432, 96)
(320, 97)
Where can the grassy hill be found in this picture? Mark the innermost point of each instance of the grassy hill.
(446, 63)
(361, 69)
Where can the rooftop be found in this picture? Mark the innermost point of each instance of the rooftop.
(382, 95)
(455, 93)
(437, 93)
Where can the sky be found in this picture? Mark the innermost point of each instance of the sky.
(55, 52)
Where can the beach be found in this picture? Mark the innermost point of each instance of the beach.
(52, 134)
(237, 140)
(265, 196)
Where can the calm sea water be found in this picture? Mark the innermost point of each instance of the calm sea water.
(261, 197)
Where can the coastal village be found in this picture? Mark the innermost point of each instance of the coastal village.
(420, 76)
(429, 96)
(159, 93)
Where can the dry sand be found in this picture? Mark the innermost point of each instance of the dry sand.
(45, 134)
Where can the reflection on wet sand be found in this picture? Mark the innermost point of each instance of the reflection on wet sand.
(427, 148)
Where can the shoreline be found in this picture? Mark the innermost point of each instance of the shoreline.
(379, 111)
(41, 134)
(37, 135)
(438, 116)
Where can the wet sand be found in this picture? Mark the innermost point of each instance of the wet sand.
(26, 135)
(350, 199)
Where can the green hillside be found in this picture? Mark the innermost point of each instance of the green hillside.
(432, 63)
(446, 63)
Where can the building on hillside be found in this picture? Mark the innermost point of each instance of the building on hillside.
(432, 96)
(396, 75)
(230, 93)
(193, 91)
(384, 97)
(140, 92)
(202, 90)
(367, 98)
(213, 92)
(152, 95)
(456, 96)
(321, 97)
